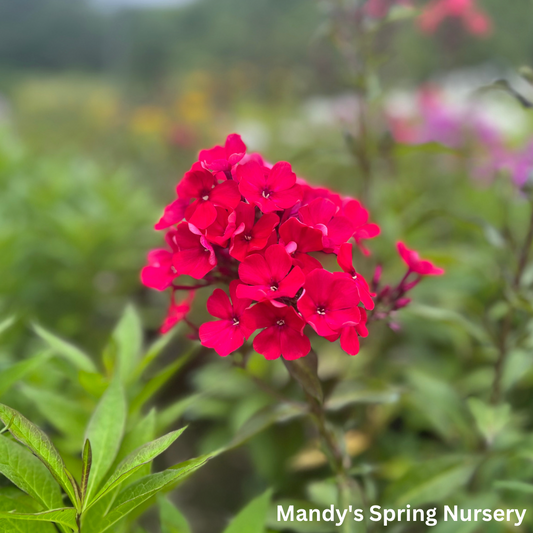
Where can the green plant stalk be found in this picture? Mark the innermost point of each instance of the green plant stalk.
(503, 351)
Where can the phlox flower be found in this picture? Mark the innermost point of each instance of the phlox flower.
(322, 214)
(269, 277)
(177, 312)
(195, 256)
(250, 235)
(234, 325)
(201, 186)
(423, 267)
(222, 158)
(159, 273)
(272, 189)
(345, 261)
(282, 332)
(329, 302)
(252, 227)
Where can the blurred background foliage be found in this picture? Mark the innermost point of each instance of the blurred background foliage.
(103, 108)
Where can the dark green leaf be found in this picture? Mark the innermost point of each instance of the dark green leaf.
(87, 459)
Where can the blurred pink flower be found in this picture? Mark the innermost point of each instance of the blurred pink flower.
(467, 11)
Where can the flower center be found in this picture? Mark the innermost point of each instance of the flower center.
(320, 311)
(280, 322)
(205, 197)
(266, 194)
(354, 276)
(173, 270)
(273, 287)
(247, 237)
(235, 321)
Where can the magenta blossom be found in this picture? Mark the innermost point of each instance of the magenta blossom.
(222, 158)
(195, 256)
(272, 189)
(250, 235)
(227, 334)
(322, 214)
(159, 273)
(345, 261)
(329, 302)
(283, 333)
(202, 187)
(177, 312)
(269, 277)
(423, 267)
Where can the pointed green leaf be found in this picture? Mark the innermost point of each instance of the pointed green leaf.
(252, 519)
(28, 473)
(87, 460)
(105, 431)
(66, 350)
(37, 441)
(172, 521)
(65, 516)
(136, 459)
(128, 340)
(142, 490)
(10, 376)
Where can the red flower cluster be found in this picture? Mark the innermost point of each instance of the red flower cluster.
(253, 227)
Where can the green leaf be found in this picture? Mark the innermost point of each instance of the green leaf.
(66, 350)
(518, 486)
(32, 437)
(17, 526)
(136, 459)
(128, 341)
(305, 371)
(87, 461)
(65, 516)
(142, 432)
(11, 375)
(172, 521)
(142, 490)
(68, 417)
(252, 519)
(105, 431)
(28, 473)
(491, 420)
(6, 324)
(154, 385)
(430, 481)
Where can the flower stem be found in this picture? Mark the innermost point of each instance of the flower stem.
(503, 351)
